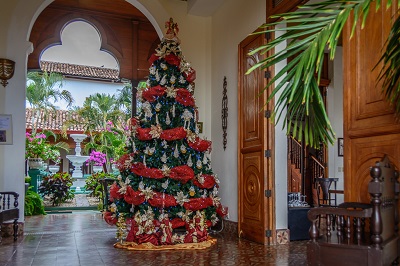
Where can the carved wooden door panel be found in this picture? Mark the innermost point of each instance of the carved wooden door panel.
(370, 129)
(255, 211)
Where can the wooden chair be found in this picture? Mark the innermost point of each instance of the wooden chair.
(326, 197)
(9, 210)
(365, 234)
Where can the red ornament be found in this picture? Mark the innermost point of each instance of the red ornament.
(182, 173)
(184, 97)
(173, 134)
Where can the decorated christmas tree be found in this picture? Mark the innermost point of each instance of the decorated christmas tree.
(167, 193)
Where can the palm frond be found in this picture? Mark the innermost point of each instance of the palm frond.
(307, 33)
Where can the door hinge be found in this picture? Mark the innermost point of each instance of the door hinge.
(267, 114)
(268, 233)
(267, 153)
(267, 74)
(268, 193)
(268, 35)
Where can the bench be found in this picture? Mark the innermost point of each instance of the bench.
(9, 210)
(356, 233)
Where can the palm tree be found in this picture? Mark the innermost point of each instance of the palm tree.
(124, 98)
(104, 121)
(42, 90)
(308, 32)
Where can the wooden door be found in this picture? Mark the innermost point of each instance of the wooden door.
(256, 217)
(275, 7)
(370, 129)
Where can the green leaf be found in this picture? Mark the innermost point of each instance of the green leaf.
(310, 31)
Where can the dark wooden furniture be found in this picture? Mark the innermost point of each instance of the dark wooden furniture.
(9, 210)
(365, 234)
(106, 183)
(325, 194)
(298, 223)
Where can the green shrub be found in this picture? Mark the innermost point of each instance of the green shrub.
(58, 187)
(33, 203)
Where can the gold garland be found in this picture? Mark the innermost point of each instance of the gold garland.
(185, 246)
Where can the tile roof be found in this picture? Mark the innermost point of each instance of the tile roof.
(82, 71)
(53, 120)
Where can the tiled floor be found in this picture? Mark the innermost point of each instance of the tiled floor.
(85, 239)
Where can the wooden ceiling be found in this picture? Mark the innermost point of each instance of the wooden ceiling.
(125, 32)
(119, 8)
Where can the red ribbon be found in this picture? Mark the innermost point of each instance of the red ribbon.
(200, 144)
(184, 97)
(153, 58)
(196, 204)
(177, 222)
(114, 194)
(133, 197)
(152, 93)
(141, 170)
(182, 173)
(173, 60)
(173, 134)
(143, 134)
(161, 201)
(190, 75)
(109, 219)
(209, 182)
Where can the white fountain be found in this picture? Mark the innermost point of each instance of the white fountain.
(77, 160)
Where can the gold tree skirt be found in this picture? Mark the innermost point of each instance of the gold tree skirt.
(148, 246)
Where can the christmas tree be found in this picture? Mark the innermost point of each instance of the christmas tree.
(166, 193)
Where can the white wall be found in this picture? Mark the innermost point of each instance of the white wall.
(231, 23)
(335, 113)
(15, 20)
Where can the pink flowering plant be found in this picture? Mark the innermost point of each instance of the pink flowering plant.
(96, 158)
(37, 146)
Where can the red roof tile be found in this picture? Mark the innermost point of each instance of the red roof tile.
(53, 120)
(90, 72)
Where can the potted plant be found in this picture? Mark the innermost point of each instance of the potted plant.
(97, 160)
(38, 149)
